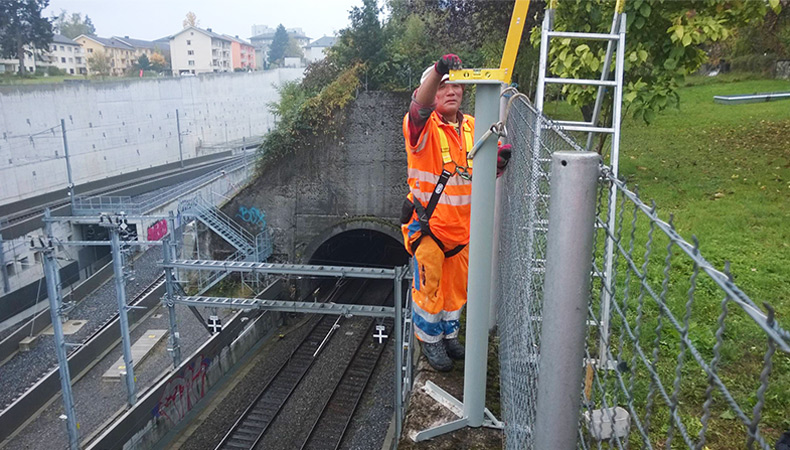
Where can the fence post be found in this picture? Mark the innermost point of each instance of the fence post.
(574, 177)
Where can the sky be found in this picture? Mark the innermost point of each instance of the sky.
(153, 19)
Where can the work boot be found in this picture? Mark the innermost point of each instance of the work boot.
(454, 349)
(437, 356)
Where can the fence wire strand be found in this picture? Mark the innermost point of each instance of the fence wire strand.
(690, 361)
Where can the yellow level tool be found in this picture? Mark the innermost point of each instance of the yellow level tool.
(505, 71)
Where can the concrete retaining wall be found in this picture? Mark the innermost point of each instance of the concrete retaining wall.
(120, 127)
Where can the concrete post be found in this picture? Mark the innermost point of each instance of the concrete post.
(480, 252)
(120, 291)
(51, 274)
(574, 177)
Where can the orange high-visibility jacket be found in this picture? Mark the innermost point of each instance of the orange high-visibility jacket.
(440, 146)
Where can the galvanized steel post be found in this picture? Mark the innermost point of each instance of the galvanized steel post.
(51, 274)
(398, 348)
(167, 256)
(480, 255)
(574, 177)
(120, 291)
(3, 270)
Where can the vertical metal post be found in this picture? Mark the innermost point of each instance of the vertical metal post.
(574, 177)
(120, 291)
(68, 164)
(492, 319)
(480, 251)
(398, 332)
(614, 162)
(167, 256)
(3, 270)
(178, 130)
(51, 275)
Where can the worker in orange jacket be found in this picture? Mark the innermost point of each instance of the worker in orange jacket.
(435, 216)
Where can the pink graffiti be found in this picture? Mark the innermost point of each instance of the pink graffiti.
(157, 231)
(183, 392)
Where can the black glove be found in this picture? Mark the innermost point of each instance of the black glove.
(503, 157)
(447, 63)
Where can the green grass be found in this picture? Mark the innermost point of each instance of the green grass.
(723, 172)
(12, 79)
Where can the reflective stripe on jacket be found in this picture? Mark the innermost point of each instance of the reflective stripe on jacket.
(439, 147)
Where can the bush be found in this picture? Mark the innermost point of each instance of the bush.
(763, 64)
(54, 71)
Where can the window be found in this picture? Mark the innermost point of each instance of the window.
(71, 71)
(37, 257)
(10, 268)
(189, 42)
(24, 263)
(71, 60)
(191, 62)
(190, 52)
(62, 48)
(70, 50)
(78, 60)
(90, 50)
(54, 48)
(62, 59)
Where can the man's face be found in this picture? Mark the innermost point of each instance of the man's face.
(448, 99)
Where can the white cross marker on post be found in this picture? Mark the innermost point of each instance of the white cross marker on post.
(379, 334)
(214, 324)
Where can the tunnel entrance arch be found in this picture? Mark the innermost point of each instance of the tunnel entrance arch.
(358, 242)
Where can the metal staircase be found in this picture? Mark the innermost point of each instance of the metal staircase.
(220, 223)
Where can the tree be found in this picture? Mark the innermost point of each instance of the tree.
(158, 62)
(665, 41)
(190, 20)
(363, 42)
(99, 63)
(143, 62)
(293, 49)
(279, 45)
(21, 25)
(73, 25)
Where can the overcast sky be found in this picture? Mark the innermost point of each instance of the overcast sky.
(153, 19)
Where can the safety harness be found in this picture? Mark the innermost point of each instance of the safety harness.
(424, 213)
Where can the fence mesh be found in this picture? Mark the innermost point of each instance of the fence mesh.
(689, 360)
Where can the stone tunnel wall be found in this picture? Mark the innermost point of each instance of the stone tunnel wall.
(358, 178)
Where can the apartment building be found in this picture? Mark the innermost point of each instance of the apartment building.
(242, 53)
(120, 55)
(194, 51)
(66, 55)
(316, 50)
(263, 37)
(147, 48)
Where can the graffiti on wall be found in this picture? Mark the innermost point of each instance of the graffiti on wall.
(183, 392)
(157, 231)
(252, 216)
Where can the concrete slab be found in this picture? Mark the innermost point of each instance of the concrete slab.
(69, 327)
(140, 350)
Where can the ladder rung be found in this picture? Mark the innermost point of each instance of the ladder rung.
(594, 36)
(580, 81)
(587, 129)
(572, 123)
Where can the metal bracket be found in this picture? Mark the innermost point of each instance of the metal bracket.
(457, 408)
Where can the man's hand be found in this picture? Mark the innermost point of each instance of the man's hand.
(447, 63)
(504, 152)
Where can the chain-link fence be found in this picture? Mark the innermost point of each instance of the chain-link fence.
(682, 359)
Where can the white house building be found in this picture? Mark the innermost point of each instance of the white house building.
(316, 50)
(66, 55)
(194, 51)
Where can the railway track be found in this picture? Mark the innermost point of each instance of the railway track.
(331, 425)
(254, 422)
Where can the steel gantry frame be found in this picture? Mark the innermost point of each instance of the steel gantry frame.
(396, 274)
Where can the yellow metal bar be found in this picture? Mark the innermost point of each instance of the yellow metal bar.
(505, 70)
(620, 6)
(517, 21)
(553, 4)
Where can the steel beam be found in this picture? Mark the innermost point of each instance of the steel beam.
(283, 269)
(287, 306)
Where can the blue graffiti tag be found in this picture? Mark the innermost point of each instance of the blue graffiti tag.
(252, 216)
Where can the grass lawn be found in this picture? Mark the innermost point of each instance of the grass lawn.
(723, 171)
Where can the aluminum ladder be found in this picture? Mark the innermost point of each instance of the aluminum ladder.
(615, 42)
